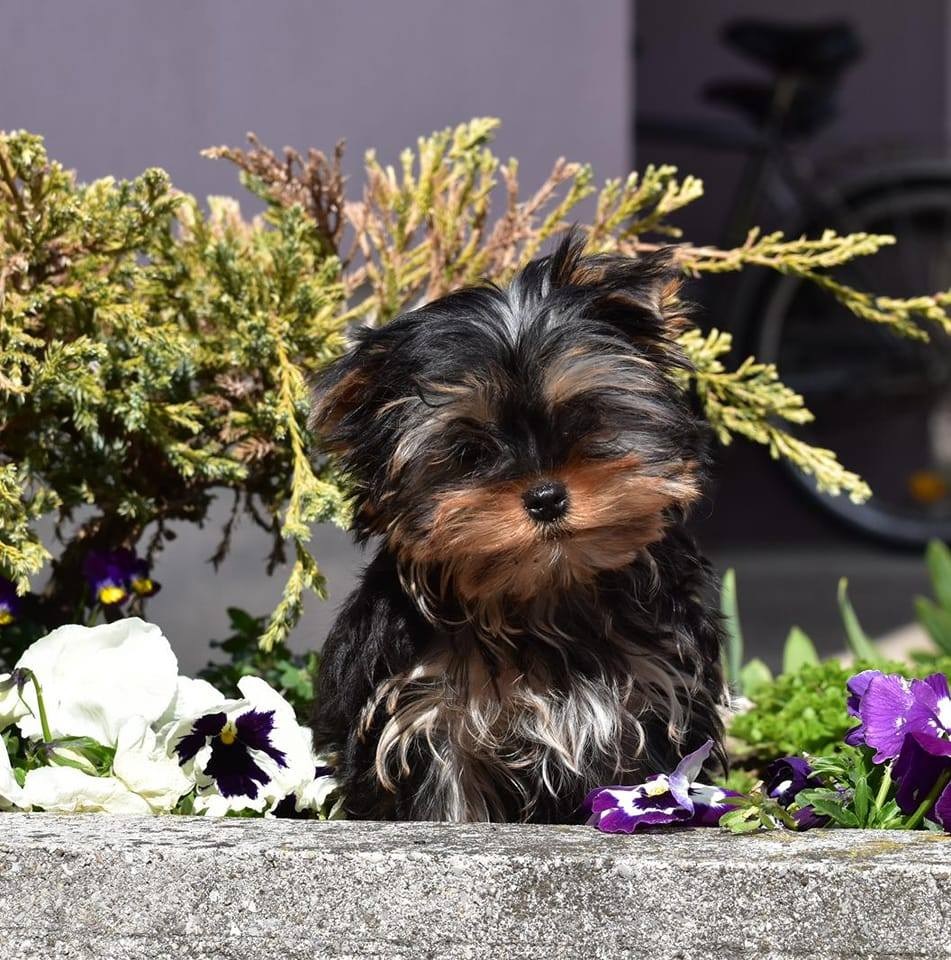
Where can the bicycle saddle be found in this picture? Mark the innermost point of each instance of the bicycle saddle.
(812, 105)
(820, 50)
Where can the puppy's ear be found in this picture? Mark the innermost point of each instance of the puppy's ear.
(638, 295)
(348, 389)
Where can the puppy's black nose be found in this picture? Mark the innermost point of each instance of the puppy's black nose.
(546, 502)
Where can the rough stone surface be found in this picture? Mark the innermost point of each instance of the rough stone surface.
(122, 889)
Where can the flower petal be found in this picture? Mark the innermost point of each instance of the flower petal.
(915, 772)
(807, 819)
(234, 770)
(931, 712)
(617, 820)
(192, 697)
(204, 727)
(786, 777)
(942, 809)
(936, 746)
(686, 773)
(884, 712)
(67, 790)
(11, 794)
(96, 678)
(146, 769)
(294, 741)
(254, 730)
(709, 805)
(857, 687)
(12, 706)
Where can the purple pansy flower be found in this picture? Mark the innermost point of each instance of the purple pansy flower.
(929, 719)
(857, 687)
(115, 574)
(10, 603)
(910, 722)
(246, 754)
(784, 779)
(884, 709)
(236, 749)
(675, 798)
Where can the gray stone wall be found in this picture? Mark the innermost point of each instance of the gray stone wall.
(127, 889)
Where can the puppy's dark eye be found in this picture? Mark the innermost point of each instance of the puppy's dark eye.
(469, 454)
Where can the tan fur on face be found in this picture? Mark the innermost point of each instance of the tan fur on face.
(488, 547)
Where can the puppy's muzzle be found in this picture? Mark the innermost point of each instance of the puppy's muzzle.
(546, 502)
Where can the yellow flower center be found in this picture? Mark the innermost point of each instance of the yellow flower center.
(108, 595)
(142, 585)
(655, 788)
(229, 734)
(5, 617)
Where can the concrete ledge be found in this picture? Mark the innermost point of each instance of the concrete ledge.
(116, 889)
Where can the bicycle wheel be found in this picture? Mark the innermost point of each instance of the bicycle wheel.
(882, 402)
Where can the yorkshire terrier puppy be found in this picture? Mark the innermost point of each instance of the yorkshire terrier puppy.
(534, 622)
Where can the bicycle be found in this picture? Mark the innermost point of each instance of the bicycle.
(871, 391)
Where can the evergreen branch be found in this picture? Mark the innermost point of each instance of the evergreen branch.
(749, 400)
(152, 353)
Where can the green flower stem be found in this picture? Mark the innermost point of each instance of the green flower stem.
(41, 706)
(915, 819)
(884, 788)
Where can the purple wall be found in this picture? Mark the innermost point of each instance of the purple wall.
(117, 86)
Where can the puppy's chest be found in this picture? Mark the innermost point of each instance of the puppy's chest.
(451, 703)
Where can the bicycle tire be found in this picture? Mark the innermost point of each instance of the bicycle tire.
(896, 197)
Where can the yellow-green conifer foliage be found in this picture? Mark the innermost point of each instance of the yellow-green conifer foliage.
(155, 354)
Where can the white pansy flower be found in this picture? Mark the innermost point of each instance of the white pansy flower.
(96, 678)
(191, 698)
(12, 707)
(68, 790)
(147, 769)
(11, 795)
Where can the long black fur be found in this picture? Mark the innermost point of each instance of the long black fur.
(386, 389)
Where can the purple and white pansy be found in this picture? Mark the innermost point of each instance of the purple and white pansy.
(247, 754)
(784, 779)
(663, 799)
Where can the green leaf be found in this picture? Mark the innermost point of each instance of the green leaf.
(938, 560)
(754, 676)
(242, 622)
(798, 651)
(889, 817)
(743, 820)
(862, 801)
(828, 803)
(96, 754)
(858, 641)
(936, 620)
(734, 633)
